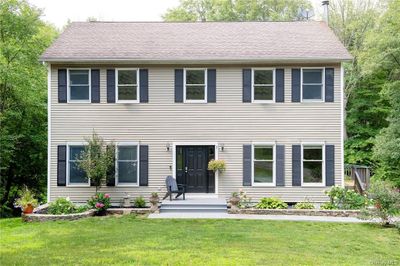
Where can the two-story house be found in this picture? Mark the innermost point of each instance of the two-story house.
(266, 97)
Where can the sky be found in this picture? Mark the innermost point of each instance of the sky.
(58, 12)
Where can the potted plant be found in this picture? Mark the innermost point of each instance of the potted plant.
(154, 199)
(26, 201)
(234, 201)
(100, 202)
(217, 165)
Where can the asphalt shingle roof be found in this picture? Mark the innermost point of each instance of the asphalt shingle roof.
(196, 41)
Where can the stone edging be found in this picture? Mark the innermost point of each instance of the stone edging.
(129, 211)
(332, 213)
(40, 217)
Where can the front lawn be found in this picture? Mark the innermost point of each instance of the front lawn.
(128, 240)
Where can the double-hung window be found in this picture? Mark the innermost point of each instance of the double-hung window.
(263, 164)
(195, 85)
(313, 164)
(263, 85)
(312, 84)
(127, 85)
(127, 167)
(79, 85)
(76, 176)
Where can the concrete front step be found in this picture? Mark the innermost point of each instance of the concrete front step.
(194, 206)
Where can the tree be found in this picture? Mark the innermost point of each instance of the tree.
(365, 109)
(382, 55)
(97, 160)
(23, 89)
(236, 10)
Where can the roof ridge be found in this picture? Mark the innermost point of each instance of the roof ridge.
(195, 22)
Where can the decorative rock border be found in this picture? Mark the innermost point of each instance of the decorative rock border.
(41, 217)
(312, 212)
(122, 211)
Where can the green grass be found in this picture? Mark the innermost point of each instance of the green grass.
(128, 240)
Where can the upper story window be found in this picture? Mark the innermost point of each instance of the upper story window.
(127, 85)
(312, 84)
(313, 164)
(263, 85)
(195, 85)
(127, 164)
(76, 176)
(263, 164)
(79, 85)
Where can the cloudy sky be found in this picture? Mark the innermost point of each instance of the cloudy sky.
(58, 12)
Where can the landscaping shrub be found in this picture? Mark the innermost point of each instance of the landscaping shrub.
(64, 206)
(245, 201)
(386, 201)
(139, 202)
(306, 205)
(100, 202)
(328, 206)
(271, 203)
(346, 199)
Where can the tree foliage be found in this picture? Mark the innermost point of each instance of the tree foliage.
(23, 118)
(236, 10)
(97, 159)
(382, 56)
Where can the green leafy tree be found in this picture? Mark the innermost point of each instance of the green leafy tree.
(23, 90)
(97, 159)
(236, 10)
(382, 56)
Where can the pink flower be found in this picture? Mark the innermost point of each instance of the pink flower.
(107, 196)
(99, 205)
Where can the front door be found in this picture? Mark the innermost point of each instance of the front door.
(191, 168)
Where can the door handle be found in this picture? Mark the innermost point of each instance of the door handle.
(186, 169)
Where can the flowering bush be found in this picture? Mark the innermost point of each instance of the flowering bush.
(100, 202)
(64, 206)
(346, 199)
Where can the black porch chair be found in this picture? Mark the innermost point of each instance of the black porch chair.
(173, 187)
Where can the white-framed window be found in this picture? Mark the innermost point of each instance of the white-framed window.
(195, 85)
(79, 82)
(313, 164)
(75, 175)
(312, 84)
(127, 164)
(263, 165)
(263, 85)
(127, 85)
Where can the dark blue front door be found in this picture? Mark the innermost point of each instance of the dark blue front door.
(191, 168)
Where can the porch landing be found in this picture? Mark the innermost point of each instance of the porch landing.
(194, 204)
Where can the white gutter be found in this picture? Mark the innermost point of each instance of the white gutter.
(342, 110)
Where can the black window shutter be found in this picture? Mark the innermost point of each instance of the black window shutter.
(111, 85)
(280, 85)
(111, 171)
(61, 165)
(211, 85)
(330, 165)
(62, 85)
(144, 85)
(296, 86)
(280, 165)
(296, 165)
(144, 165)
(95, 82)
(247, 165)
(246, 85)
(179, 85)
(329, 85)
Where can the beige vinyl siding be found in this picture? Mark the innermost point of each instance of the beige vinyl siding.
(229, 121)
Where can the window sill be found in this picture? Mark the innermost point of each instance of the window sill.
(76, 101)
(263, 185)
(263, 101)
(312, 101)
(313, 185)
(195, 101)
(127, 185)
(79, 185)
